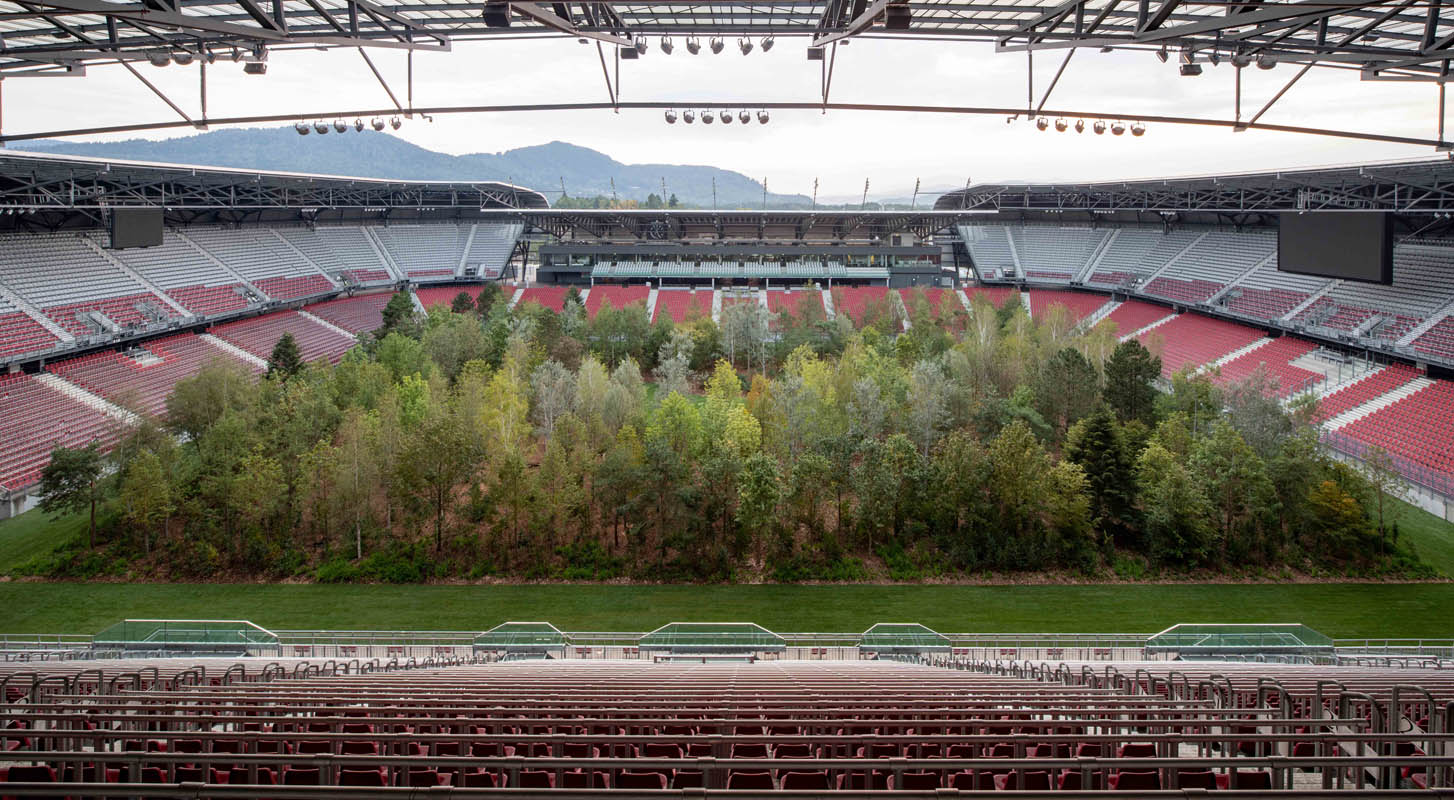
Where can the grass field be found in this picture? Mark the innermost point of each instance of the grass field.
(1344, 610)
(1432, 537)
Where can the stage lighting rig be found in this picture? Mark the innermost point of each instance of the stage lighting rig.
(716, 45)
(707, 117)
(1118, 127)
(689, 116)
(1042, 123)
(693, 46)
(302, 128)
(378, 124)
(725, 116)
(666, 45)
(671, 116)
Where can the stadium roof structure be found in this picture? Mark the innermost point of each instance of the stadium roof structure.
(1424, 186)
(712, 637)
(903, 638)
(1239, 640)
(186, 635)
(521, 637)
(1390, 40)
(48, 191)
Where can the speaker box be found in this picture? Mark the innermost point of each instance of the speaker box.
(896, 18)
(496, 15)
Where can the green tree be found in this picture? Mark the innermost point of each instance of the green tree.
(1383, 478)
(1096, 444)
(1130, 390)
(398, 315)
(146, 496)
(197, 403)
(285, 360)
(1175, 512)
(1068, 389)
(759, 489)
(489, 295)
(462, 303)
(71, 482)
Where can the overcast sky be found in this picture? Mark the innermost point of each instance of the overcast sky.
(839, 148)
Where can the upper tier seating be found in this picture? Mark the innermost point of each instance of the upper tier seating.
(340, 250)
(363, 314)
(682, 304)
(63, 277)
(1218, 259)
(1054, 253)
(1079, 304)
(1137, 252)
(618, 296)
(1273, 357)
(1266, 293)
(143, 388)
(1415, 428)
(1192, 291)
(260, 256)
(21, 334)
(425, 251)
(186, 275)
(1420, 286)
(989, 247)
(260, 335)
(1193, 340)
(491, 249)
(551, 297)
(1364, 390)
(855, 301)
(1133, 315)
(38, 419)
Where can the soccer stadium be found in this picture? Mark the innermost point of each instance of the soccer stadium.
(320, 484)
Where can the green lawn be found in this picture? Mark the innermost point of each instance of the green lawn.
(1432, 537)
(33, 534)
(1345, 610)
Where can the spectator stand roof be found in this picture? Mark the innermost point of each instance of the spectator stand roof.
(189, 635)
(1240, 642)
(540, 639)
(903, 639)
(719, 638)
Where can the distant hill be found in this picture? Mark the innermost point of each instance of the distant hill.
(380, 155)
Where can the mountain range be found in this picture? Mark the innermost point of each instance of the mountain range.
(368, 154)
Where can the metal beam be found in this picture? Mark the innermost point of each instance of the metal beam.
(550, 20)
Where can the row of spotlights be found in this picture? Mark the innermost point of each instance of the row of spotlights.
(1099, 126)
(715, 44)
(180, 57)
(303, 128)
(689, 116)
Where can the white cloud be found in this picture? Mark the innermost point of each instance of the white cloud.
(840, 148)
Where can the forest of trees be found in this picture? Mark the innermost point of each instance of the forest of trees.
(479, 440)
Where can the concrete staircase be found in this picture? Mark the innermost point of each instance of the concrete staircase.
(325, 323)
(828, 309)
(1090, 265)
(1171, 315)
(515, 298)
(1238, 353)
(1423, 327)
(651, 302)
(465, 253)
(34, 313)
(95, 401)
(223, 344)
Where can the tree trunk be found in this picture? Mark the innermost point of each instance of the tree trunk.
(91, 532)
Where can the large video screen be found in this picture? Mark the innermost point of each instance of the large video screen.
(1351, 245)
(136, 227)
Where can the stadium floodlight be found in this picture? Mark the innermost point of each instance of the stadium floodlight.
(378, 123)
(689, 116)
(159, 59)
(1080, 126)
(1191, 70)
(340, 126)
(1060, 125)
(1042, 123)
(707, 117)
(641, 46)
(255, 68)
(1241, 59)
(716, 45)
(744, 116)
(357, 124)
(396, 122)
(766, 44)
(762, 116)
(1161, 54)
(693, 46)
(1214, 57)
(1138, 129)
(666, 45)
(1118, 127)
(745, 45)
(725, 116)
(671, 116)
(182, 57)
(302, 128)
(321, 127)
(1099, 127)
(1266, 61)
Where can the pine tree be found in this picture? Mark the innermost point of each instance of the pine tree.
(286, 361)
(1095, 443)
(462, 304)
(398, 313)
(1130, 391)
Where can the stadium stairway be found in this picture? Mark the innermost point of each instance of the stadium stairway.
(651, 302)
(126, 270)
(1139, 332)
(1378, 403)
(828, 304)
(1439, 315)
(24, 306)
(78, 394)
(717, 307)
(1238, 353)
(519, 293)
(325, 323)
(217, 341)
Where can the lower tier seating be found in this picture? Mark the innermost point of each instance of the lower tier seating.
(856, 301)
(618, 296)
(779, 300)
(362, 314)
(682, 304)
(996, 295)
(1133, 315)
(138, 387)
(430, 296)
(1193, 340)
(1365, 390)
(1415, 427)
(39, 419)
(1078, 304)
(1438, 340)
(260, 335)
(1274, 358)
(551, 297)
